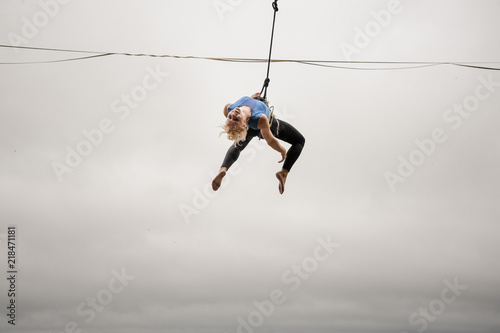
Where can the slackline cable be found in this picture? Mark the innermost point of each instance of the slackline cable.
(340, 64)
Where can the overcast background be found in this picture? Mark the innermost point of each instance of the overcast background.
(199, 263)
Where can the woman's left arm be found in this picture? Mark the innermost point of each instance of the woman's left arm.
(265, 130)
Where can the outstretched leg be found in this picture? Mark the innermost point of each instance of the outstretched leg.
(231, 156)
(286, 132)
(218, 179)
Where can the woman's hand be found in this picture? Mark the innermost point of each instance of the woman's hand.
(255, 95)
(283, 154)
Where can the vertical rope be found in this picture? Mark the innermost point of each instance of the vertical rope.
(267, 80)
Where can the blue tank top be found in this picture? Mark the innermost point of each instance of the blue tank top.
(258, 109)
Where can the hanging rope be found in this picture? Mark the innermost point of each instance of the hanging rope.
(267, 80)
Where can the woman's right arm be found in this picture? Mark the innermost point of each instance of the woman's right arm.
(225, 109)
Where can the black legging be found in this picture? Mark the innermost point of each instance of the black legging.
(281, 130)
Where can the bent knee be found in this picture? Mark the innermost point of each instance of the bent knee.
(302, 140)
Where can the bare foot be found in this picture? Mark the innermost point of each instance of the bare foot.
(218, 179)
(281, 175)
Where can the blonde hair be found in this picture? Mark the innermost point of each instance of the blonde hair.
(235, 133)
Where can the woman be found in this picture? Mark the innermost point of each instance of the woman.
(250, 117)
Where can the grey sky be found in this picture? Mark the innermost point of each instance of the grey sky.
(134, 227)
